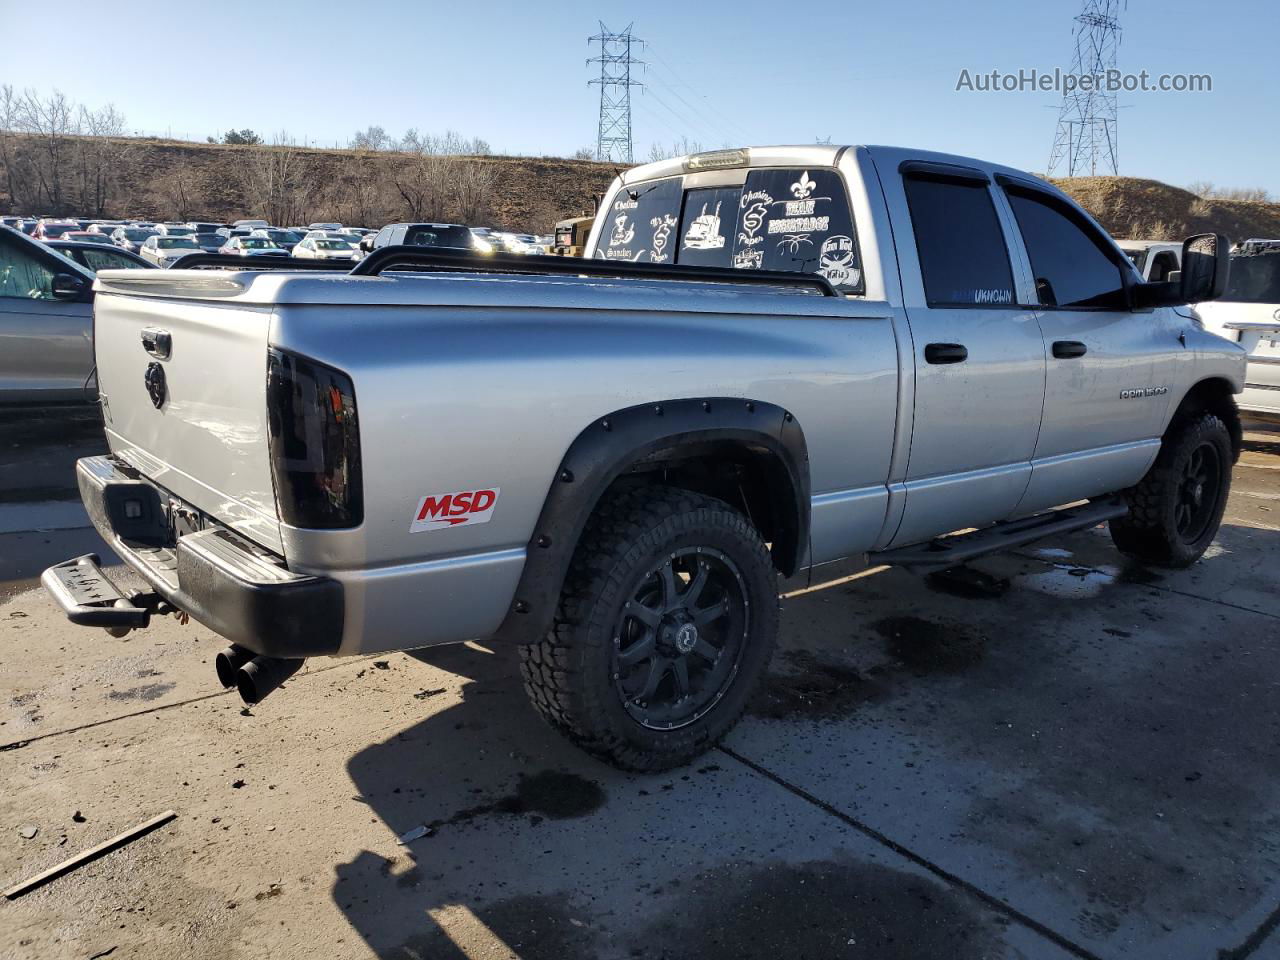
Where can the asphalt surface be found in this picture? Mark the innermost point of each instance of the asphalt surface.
(1060, 755)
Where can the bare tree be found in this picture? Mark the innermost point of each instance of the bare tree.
(1205, 189)
(51, 122)
(277, 181)
(428, 182)
(179, 190)
(371, 138)
(100, 157)
(11, 116)
(679, 148)
(475, 182)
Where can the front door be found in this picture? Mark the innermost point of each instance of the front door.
(979, 356)
(1109, 369)
(46, 344)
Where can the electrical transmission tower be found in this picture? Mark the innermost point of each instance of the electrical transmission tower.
(1086, 136)
(613, 139)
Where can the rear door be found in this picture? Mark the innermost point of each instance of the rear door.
(46, 344)
(979, 356)
(1109, 368)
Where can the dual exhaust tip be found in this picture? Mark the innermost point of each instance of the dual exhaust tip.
(252, 675)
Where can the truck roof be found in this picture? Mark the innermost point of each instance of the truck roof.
(817, 155)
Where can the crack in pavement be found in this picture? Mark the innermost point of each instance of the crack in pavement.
(990, 900)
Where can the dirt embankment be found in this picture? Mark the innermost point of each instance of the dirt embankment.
(179, 180)
(1130, 207)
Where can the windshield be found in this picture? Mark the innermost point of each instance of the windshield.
(58, 229)
(283, 236)
(176, 243)
(257, 243)
(137, 234)
(178, 231)
(1254, 279)
(332, 245)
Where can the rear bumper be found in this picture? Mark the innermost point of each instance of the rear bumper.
(232, 587)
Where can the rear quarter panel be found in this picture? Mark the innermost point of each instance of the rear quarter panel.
(471, 395)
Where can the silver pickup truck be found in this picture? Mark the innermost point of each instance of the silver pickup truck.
(774, 358)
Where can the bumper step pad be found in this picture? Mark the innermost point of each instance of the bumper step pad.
(88, 597)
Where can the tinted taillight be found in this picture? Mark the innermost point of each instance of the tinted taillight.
(315, 443)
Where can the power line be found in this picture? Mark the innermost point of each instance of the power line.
(1086, 134)
(613, 133)
(707, 117)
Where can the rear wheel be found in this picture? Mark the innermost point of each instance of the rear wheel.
(666, 623)
(1175, 511)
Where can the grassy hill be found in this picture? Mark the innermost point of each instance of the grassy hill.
(178, 180)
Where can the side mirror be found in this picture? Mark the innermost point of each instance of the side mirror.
(67, 286)
(1206, 259)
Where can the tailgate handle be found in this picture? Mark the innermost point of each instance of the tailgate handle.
(157, 342)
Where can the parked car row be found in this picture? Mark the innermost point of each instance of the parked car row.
(211, 237)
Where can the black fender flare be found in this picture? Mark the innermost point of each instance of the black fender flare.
(605, 449)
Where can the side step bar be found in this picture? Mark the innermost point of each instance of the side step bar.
(963, 547)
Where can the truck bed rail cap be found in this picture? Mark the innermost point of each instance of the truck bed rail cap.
(272, 288)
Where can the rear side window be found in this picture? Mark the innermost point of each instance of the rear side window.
(963, 257)
(1069, 258)
(458, 237)
(97, 260)
(640, 225)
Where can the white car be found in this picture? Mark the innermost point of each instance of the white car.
(1155, 259)
(526, 244)
(325, 248)
(1249, 314)
(162, 251)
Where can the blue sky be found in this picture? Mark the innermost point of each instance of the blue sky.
(720, 72)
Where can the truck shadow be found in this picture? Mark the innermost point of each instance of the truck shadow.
(537, 851)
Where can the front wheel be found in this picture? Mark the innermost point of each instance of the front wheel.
(666, 624)
(1175, 511)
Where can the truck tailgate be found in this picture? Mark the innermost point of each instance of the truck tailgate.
(194, 421)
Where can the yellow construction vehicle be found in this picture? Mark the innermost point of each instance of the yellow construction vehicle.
(571, 236)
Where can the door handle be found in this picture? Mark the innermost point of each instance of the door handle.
(945, 353)
(1067, 349)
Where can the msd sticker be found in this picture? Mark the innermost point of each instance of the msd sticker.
(444, 511)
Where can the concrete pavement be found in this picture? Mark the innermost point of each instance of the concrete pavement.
(1067, 755)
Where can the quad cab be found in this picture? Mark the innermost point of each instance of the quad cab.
(771, 359)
